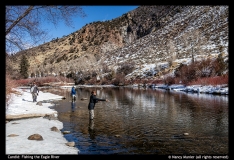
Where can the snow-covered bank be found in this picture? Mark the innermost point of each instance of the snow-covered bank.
(207, 89)
(22, 105)
(18, 130)
(98, 86)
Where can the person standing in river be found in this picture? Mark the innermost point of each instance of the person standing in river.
(92, 101)
(73, 93)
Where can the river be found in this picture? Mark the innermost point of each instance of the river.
(145, 121)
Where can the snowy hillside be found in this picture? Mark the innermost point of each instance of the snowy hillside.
(206, 26)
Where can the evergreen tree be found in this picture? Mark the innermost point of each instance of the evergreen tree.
(24, 65)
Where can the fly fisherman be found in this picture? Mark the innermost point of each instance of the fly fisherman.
(93, 100)
(73, 93)
(34, 91)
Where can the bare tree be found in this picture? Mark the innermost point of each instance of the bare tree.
(56, 70)
(46, 67)
(24, 23)
(34, 70)
(171, 52)
(42, 70)
(62, 67)
(193, 41)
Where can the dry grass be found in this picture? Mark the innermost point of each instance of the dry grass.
(10, 84)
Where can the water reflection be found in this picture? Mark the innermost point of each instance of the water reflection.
(73, 105)
(91, 129)
(137, 121)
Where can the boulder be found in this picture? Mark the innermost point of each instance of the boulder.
(12, 135)
(54, 129)
(70, 144)
(39, 103)
(37, 137)
(50, 116)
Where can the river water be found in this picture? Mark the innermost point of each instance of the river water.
(145, 121)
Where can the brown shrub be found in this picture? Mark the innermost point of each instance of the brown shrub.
(217, 80)
(105, 81)
(169, 80)
(24, 82)
(10, 84)
(119, 79)
(157, 81)
(200, 71)
(41, 80)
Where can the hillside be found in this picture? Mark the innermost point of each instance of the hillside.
(150, 41)
(199, 31)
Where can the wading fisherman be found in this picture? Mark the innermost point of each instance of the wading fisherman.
(73, 93)
(92, 101)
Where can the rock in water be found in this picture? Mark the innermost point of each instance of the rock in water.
(37, 137)
(66, 132)
(71, 144)
(117, 135)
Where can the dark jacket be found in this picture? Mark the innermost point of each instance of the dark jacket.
(93, 100)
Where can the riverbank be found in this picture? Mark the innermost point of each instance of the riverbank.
(203, 89)
(222, 89)
(33, 128)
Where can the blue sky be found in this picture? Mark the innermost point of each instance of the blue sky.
(94, 13)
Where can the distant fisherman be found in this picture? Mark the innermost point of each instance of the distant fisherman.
(73, 93)
(34, 91)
